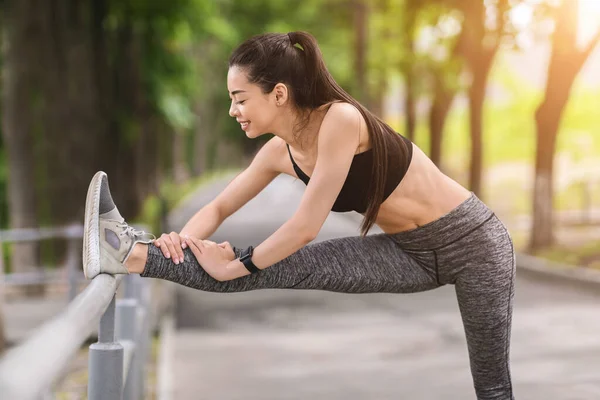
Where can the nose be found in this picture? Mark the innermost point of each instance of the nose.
(233, 111)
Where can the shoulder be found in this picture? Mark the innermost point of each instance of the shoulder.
(342, 112)
(271, 154)
(342, 122)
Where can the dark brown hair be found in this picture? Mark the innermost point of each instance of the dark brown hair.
(296, 60)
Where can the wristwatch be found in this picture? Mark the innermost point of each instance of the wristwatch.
(246, 259)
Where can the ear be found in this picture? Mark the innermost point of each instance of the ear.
(281, 94)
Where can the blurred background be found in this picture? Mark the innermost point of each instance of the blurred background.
(503, 95)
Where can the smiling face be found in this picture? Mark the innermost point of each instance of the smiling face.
(254, 110)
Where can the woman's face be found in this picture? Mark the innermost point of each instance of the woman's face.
(254, 110)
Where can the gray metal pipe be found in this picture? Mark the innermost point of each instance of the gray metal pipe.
(55, 343)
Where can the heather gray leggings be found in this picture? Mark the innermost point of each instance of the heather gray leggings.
(468, 247)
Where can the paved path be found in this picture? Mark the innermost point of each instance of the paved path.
(285, 344)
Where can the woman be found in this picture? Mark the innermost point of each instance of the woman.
(435, 231)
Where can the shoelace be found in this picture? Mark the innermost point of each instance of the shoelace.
(130, 231)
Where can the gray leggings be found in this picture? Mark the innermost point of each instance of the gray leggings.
(468, 247)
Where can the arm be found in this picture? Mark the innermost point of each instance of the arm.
(242, 189)
(338, 141)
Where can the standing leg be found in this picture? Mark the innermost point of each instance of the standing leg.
(485, 279)
(350, 265)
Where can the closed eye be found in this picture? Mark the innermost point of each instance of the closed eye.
(240, 102)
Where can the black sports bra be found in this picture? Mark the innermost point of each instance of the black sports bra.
(354, 193)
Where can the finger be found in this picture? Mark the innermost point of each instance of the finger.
(195, 250)
(171, 248)
(177, 245)
(203, 245)
(183, 243)
(163, 245)
(195, 244)
(228, 248)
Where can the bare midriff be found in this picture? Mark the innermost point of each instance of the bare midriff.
(424, 195)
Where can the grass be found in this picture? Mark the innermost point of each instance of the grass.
(586, 254)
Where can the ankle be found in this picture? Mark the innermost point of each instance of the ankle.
(136, 263)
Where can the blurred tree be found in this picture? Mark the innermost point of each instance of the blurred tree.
(90, 85)
(408, 64)
(392, 30)
(483, 26)
(361, 16)
(20, 99)
(566, 60)
(482, 42)
(330, 21)
(445, 86)
(481, 46)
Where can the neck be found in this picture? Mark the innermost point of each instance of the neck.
(285, 128)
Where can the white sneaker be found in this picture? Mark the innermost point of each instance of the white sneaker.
(107, 239)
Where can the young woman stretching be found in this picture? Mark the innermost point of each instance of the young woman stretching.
(435, 231)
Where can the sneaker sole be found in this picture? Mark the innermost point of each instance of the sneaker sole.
(91, 227)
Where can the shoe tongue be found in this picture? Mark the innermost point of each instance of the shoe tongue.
(113, 214)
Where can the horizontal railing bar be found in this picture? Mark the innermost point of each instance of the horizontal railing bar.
(38, 277)
(74, 231)
(55, 343)
(35, 234)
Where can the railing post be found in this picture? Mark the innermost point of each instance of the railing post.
(144, 337)
(127, 329)
(105, 379)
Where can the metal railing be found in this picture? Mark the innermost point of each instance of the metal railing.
(73, 234)
(116, 362)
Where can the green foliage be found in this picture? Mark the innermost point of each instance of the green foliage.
(171, 195)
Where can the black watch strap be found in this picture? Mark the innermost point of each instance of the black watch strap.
(246, 259)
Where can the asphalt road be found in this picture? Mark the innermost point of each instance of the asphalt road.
(286, 344)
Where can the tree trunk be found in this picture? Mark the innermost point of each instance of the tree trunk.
(443, 95)
(74, 122)
(440, 107)
(476, 103)
(546, 132)
(360, 51)
(378, 102)
(479, 52)
(407, 67)
(565, 63)
(19, 90)
(409, 105)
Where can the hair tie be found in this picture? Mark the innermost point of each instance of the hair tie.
(291, 36)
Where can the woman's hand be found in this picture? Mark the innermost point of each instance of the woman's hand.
(171, 244)
(215, 258)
